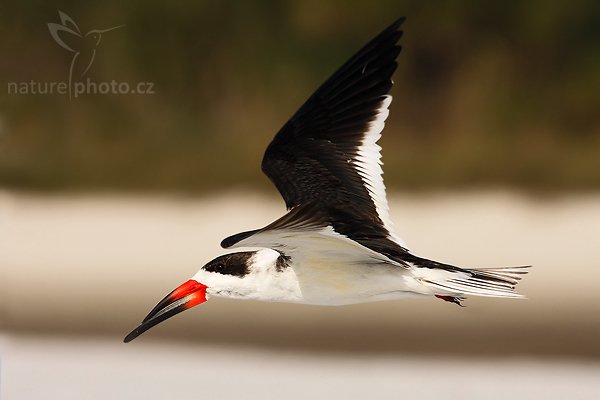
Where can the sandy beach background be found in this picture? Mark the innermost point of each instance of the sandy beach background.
(109, 200)
(80, 271)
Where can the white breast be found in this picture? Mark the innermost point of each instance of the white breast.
(330, 269)
(333, 270)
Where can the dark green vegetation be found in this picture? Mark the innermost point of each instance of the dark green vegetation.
(487, 93)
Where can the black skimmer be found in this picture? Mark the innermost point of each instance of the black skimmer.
(337, 244)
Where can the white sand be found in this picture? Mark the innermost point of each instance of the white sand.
(97, 264)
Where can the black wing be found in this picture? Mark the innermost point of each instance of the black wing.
(327, 152)
(325, 161)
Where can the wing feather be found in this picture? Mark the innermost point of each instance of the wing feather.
(327, 153)
(325, 161)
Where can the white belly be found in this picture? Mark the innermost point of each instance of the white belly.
(326, 268)
(337, 272)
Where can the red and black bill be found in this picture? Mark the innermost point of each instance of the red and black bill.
(186, 296)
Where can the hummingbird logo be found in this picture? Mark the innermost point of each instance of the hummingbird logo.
(83, 46)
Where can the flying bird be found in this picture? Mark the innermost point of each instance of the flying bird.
(336, 245)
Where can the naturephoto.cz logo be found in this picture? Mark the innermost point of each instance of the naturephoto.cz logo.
(82, 47)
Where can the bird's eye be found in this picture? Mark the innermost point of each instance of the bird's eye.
(220, 268)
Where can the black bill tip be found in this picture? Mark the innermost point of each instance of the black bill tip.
(157, 318)
(186, 296)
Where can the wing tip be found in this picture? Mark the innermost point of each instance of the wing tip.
(395, 28)
(232, 240)
(397, 23)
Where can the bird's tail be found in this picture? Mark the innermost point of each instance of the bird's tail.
(454, 285)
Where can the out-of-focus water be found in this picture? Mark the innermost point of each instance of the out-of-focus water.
(98, 369)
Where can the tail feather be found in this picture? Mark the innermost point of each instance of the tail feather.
(490, 282)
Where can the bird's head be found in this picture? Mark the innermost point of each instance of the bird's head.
(95, 35)
(257, 275)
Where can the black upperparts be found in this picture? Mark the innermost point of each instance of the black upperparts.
(314, 156)
(324, 160)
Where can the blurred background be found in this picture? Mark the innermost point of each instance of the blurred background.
(110, 200)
